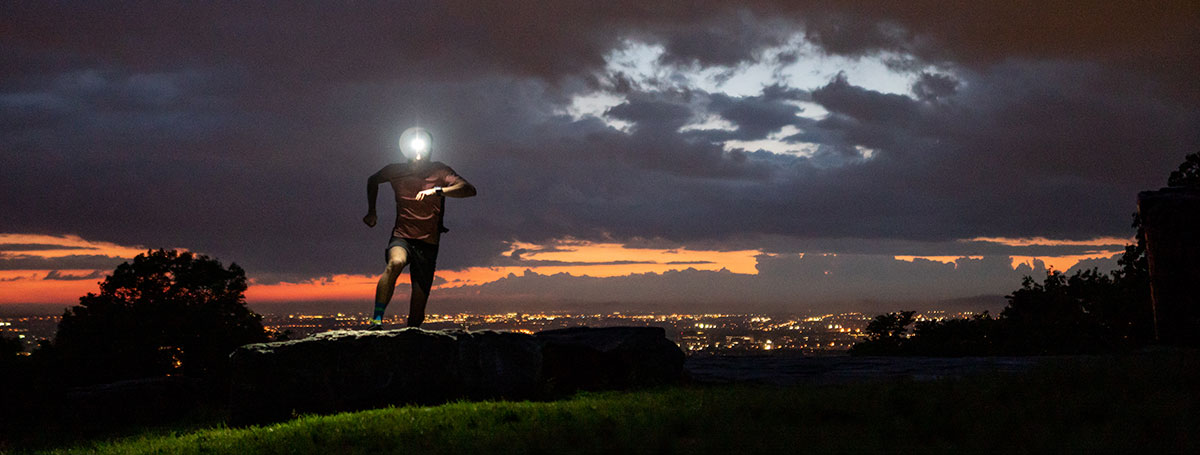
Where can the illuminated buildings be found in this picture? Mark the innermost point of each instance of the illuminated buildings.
(710, 333)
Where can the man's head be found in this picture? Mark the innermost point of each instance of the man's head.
(416, 144)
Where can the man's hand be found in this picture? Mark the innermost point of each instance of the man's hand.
(370, 219)
(428, 192)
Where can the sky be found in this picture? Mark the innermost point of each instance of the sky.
(802, 156)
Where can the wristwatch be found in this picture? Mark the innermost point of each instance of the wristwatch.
(438, 190)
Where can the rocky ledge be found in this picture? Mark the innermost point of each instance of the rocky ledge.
(349, 369)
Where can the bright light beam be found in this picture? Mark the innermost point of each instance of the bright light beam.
(416, 143)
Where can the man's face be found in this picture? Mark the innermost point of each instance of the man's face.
(416, 144)
(420, 148)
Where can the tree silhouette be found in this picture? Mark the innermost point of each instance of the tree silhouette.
(1188, 173)
(885, 334)
(166, 312)
(1063, 314)
(976, 335)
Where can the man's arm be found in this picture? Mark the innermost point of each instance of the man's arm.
(460, 189)
(373, 193)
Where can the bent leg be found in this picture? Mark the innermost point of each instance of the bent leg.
(416, 306)
(397, 258)
(424, 261)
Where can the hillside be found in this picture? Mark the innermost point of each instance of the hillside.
(1128, 403)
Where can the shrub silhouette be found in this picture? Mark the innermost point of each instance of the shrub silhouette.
(1188, 173)
(1062, 314)
(977, 335)
(166, 312)
(885, 334)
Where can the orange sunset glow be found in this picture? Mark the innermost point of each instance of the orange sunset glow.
(1111, 246)
(57, 246)
(572, 257)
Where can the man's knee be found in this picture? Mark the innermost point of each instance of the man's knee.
(394, 267)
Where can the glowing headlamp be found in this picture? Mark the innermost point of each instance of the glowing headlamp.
(416, 143)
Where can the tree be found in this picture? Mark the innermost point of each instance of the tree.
(977, 335)
(885, 334)
(1188, 173)
(1063, 314)
(166, 312)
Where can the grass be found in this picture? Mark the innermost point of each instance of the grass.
(1144, 402)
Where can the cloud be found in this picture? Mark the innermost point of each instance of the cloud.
(931, 87)
(5, 247)
(72, 262)
(60, 276)
(245, 131)
(32, 276)
(808, 283)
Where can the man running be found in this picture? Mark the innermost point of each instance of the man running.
(420, 187)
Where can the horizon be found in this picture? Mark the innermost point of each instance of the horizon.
(976, 304)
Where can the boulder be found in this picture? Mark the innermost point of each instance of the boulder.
(585, 358)
(349, 370)
(1171, 223)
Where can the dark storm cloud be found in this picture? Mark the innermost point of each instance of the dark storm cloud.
(73, 262)
(756, 117)
(1152, 40)
(891, 246)
(724, 39)
(246, 132)
(55, 275)
(660, 116)
(503, 262)
(864, 106)
(930, 87)
(38, 247)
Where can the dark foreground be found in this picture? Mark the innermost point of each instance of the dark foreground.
(792, 370)
(1142, 403)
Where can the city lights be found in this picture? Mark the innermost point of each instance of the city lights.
(712, 333)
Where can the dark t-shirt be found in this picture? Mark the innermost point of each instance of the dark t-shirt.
(418, 219)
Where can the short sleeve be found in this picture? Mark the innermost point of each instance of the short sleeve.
(449, 177)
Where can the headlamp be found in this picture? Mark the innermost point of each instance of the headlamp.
(416, 143)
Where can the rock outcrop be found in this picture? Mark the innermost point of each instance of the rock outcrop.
(1171, 223)
(584, 358)
(350, 370)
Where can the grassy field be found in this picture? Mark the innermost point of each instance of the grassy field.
(1145, 402)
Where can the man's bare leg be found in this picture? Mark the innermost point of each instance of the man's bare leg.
(397, 259)
(416, 306)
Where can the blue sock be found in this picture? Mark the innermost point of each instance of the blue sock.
(378, 317)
